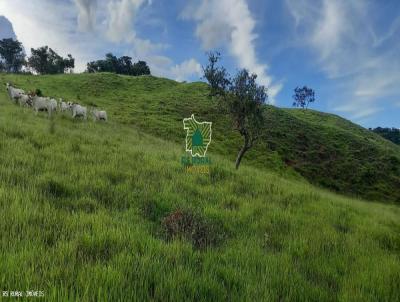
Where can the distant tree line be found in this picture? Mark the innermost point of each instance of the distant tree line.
(392, 134)
(44, 60)
(122, 65)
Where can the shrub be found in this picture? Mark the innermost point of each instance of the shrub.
(193, 227)
(38, 92)
(55, 189)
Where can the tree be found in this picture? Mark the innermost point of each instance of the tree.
(122, 65)
(69, 63)
(246, 100)
(12, 54)
(216, 76)
(303, 97)
(44, 60)
(242, 98)
(111, 63)
(141, 68)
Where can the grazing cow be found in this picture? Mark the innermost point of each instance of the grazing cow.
(41, 104)
(52, 105)
(99, 115)
(13, 92)
(25, 100)
(70, 105)
(78, 110)
(64, 106)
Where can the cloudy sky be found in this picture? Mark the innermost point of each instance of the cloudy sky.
(347, 50)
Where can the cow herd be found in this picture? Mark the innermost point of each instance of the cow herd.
(50, 105)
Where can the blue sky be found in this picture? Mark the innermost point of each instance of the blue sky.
(347, 50)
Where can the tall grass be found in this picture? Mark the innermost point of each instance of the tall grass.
(83, 208)
(325, 149)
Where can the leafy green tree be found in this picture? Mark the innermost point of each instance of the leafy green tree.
(122, 65)
(303, 97)
(242, 99)
(216, 76)
(141, 68)
(12, 55)
(107, 65)
(45, 60)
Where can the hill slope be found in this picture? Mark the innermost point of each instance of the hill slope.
(335, 153)
(325, 149)
(84, 206)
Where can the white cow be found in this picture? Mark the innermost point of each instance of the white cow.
(14, 93)
(99, 115)
(52, 105)
(64, 106)
(78, 110)
(25, 100)
(70, 105)
(41, 104)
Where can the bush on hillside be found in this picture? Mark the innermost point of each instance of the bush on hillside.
(38, 92)
(193, 227)
(392, 134)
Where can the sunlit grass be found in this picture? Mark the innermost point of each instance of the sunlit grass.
(81, 217)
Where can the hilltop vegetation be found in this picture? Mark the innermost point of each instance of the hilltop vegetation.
(392, 134)
(87, 208)
(335, 153)
(325, 149)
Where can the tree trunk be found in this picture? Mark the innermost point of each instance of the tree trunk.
(242, 151)
(240, 155)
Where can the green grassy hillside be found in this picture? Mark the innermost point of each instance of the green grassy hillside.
(105, 212)
(335, 153)
(325, 149)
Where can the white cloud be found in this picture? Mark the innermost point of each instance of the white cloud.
(86, 14)
(159, 65)
(346, 40)
(394, 28)
(329, 29)
(35, 29)
(88, 29)
(186, 69)
(358, 110)
(229, 22)
(121, 19)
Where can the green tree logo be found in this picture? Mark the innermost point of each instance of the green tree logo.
(198, 136)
